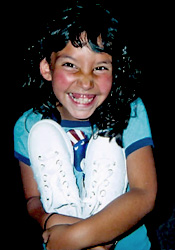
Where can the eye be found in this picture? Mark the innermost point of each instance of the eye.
(101, 68)
(70, 65)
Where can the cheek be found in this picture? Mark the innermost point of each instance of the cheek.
(105, 84)
(60, 81)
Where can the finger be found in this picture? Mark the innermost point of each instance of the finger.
(46, 236)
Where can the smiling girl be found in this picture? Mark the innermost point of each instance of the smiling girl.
(94, 187)
(80, 85)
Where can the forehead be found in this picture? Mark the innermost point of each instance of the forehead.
(80, 53)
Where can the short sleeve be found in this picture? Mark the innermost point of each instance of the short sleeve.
(138, 132)
(21, 133)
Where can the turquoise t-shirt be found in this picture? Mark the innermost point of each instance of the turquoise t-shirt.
(135, 136)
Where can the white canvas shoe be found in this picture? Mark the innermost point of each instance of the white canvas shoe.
(51, 156)
(105, 174)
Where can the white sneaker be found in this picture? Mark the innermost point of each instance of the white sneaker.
(105, 174)
(51, 156)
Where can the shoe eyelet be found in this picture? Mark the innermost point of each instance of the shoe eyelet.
(62, 173)
(65, 183)
(94, 171)
(102, 193)
(58, 162)
(94, 183)
(110, 171)
(92, 194)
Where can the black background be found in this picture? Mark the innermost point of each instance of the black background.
(149, 29)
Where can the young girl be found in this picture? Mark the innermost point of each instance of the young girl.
(88, 137)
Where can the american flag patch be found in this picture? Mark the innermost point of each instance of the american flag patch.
(75, 135)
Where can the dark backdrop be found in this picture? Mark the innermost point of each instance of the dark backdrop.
(149, 30)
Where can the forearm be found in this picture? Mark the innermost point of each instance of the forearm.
(120, 215)
(37, 212)
(124, 212)
(114, 220)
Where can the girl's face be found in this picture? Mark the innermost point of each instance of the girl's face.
(81, 79)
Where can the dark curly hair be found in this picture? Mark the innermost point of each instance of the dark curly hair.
(112, 117)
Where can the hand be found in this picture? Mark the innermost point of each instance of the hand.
(57, 237)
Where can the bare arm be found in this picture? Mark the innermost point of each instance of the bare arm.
(34, 205)
(120, 215)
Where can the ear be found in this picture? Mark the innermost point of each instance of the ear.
(45, 70)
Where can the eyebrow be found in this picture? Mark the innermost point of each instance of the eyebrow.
(74, 59)
(105, 62)
(66, 57)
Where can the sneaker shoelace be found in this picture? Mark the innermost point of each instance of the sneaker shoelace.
(98, 185)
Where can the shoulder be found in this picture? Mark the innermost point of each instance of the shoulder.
(26, 121)
(21, 133)
(137, 107)
(138, 133)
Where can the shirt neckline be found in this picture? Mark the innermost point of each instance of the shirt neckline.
(67, 123)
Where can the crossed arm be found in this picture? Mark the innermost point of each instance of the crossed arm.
(119, 216)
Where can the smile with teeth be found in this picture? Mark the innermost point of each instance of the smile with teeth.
(81, 98)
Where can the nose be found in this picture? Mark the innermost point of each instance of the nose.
(86, 82)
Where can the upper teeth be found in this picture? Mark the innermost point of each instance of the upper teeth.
(82, 100)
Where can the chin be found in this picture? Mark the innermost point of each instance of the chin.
(82, 117)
